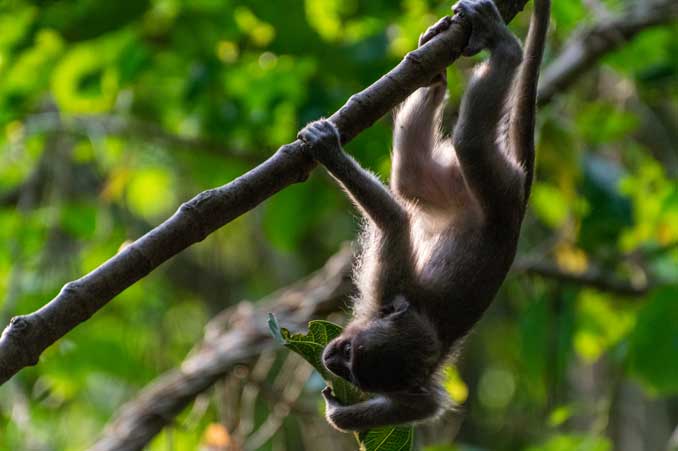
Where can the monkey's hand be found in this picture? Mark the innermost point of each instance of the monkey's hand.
(331, 402)
(381, 410)
(433, 31)
(488, 28)
(322, 139)
(334, 410)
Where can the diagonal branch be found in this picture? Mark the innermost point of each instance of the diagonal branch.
(157, 405)
(26, 337)
(588, 45)
(593, 278)
(236, 336)
(128, 127)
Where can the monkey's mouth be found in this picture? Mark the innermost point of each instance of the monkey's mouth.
(339, 369)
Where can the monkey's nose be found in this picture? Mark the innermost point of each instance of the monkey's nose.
(330, 351)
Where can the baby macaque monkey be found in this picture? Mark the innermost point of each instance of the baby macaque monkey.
(438, 244)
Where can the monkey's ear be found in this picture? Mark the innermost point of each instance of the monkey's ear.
(395, 308)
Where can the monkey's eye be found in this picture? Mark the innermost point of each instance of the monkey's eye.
(346, 349)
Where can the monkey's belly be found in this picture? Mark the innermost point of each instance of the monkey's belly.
(463, 263)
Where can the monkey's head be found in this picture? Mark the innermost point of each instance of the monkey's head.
(395, 351)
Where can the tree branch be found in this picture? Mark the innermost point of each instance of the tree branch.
(239, 334)
(592, 278)
(129, 127)
(236, 336)
(141, 419)
(590, 44)
(26, 337)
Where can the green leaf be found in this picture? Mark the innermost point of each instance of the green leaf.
(275, 329)
(79, 219)
(574, 443)
(310, 346)
(600, 325)
(441, 448)
(550, 205)
(654, 343)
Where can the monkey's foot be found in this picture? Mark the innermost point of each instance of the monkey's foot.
(322, 138)
(433, 31)
(487, 25)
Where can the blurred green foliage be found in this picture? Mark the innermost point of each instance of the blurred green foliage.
(113, 113)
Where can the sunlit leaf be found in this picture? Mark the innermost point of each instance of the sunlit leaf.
(600, 325)
(560, 415)
(310, 346)
(549, 205)
(150, 192)
(454, 384)
(574, 443)
(84, 83)
(571, 259)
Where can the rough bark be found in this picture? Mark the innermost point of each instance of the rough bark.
(143, 417)
(27, 336)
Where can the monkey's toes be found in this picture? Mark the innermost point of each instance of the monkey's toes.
(434, 30)
(463, 8)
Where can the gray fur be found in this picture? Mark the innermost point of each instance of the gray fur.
(438, 244)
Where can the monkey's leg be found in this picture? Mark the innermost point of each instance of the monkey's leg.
(415, 175)
(368, 193)
(488, 173)
(380, 411)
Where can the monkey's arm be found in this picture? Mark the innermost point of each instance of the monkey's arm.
(368, 193)
(487, 171)
(379, 411)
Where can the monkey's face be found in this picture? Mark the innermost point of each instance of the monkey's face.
(394, 352)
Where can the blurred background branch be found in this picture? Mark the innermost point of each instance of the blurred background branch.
(590, 43)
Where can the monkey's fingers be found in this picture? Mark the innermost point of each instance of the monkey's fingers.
(463, 9)
(482, 14)
(329, 397)
(309, 134)
(328, 128)
(437, 28)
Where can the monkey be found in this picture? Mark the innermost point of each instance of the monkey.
(439, 242)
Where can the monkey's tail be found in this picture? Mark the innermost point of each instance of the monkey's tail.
(522, 116)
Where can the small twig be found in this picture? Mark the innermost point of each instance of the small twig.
(593, 278)
(589, 44)
(250, 393)
(290, 393)
(96, 126)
